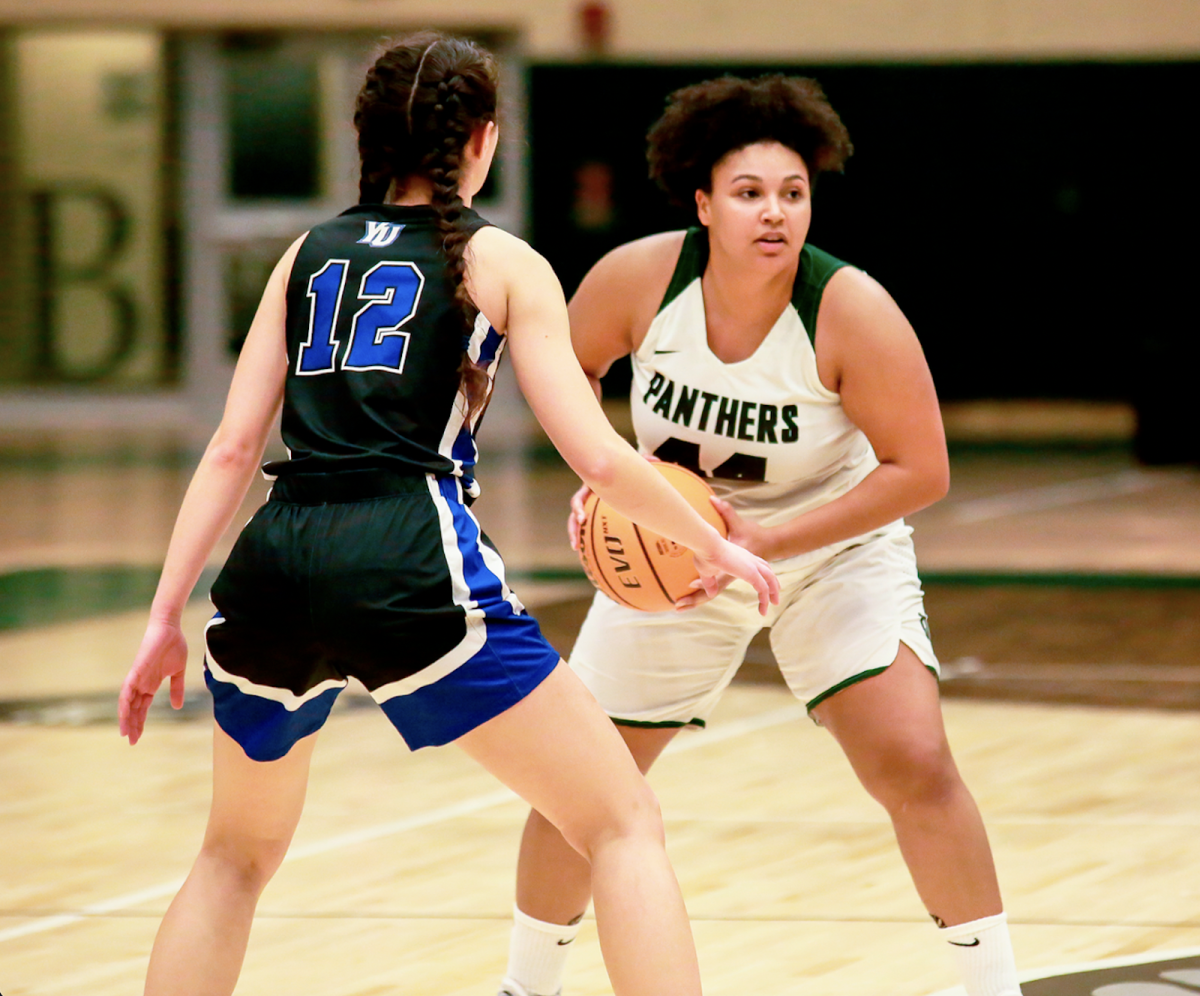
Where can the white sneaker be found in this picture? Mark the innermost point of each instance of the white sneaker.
(510, 987)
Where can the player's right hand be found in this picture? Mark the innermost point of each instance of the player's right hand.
(163, 654)
(732, 561)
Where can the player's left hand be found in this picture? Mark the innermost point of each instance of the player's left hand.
(162, 655)
(701, 594)
(746, 534)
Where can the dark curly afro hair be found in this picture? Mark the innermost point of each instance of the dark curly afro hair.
(703, 123)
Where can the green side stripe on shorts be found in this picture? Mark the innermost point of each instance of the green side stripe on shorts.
(670, 725)
(854, 680)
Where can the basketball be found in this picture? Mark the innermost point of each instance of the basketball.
(634, 566)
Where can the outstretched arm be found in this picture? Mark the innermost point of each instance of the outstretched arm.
(610, 313)
(213, 497)
(564, 402)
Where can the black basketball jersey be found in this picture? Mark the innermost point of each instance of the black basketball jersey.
(374, 341)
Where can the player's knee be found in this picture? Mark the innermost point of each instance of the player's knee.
(636, 816)
(916, 773)
(244, 863)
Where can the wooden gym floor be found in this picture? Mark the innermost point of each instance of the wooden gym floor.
(1063, 593)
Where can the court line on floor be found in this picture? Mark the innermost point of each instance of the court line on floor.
(1057, 495)
(488, 800)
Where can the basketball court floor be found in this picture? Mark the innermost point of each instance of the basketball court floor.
(1064, 596)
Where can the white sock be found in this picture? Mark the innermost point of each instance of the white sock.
(984, 954)
(537, 955)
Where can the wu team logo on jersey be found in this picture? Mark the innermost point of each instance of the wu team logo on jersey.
(380, 234)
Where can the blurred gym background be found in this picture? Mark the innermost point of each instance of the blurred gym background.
(1023, 179)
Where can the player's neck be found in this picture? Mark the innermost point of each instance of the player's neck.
(755, 291)
(414, 191)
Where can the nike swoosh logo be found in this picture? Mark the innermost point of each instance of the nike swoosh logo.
(663, 352)
(957, 944)
(562, 943)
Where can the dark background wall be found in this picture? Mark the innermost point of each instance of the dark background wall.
(1036, 222)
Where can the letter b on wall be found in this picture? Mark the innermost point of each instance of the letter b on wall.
(86, 316)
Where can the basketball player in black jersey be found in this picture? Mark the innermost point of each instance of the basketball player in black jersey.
(379, 334)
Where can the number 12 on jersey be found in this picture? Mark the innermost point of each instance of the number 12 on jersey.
(377, 341)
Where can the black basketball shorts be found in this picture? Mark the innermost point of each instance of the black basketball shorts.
(381, 577)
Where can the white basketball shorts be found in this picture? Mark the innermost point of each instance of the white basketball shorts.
(837, 622)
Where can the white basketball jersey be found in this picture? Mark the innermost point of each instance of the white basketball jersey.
(765, 432)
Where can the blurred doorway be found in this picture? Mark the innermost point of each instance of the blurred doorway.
(151, 181)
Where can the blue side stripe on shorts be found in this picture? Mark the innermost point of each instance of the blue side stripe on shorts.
(264, 728)
(482, 582)
(473, 694)
(515, 659)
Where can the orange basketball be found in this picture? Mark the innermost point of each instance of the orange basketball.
(634, 566)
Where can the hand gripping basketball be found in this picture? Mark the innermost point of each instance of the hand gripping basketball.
(643, 570)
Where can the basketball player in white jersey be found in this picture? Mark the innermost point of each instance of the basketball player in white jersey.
(795, 385)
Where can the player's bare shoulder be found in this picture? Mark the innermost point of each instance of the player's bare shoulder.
(855, 303)
(639, 267)
(499, 263)
(493, 250)
(859, 323)
(626, 285)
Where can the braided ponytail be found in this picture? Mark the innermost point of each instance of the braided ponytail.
(417, 109)
(444, 168)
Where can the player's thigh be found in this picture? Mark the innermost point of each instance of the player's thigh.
(848, 619)
(558, 750)
(646, 744)
(890, 728)
(256, 803)
(895, 710)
